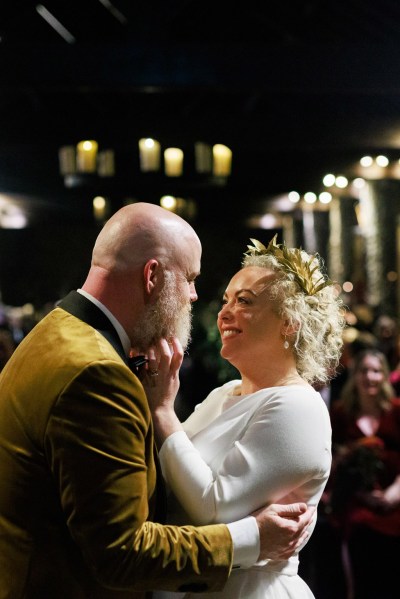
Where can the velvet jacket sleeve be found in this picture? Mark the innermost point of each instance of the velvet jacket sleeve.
(78, 479)
(100, 448)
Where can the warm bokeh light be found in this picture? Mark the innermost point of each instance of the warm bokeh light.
(86, 156)
(294, 197)
(310, 197)
(359, 183)
(392, 276)
(149, 154)
(100, 208)
(382, 160)
(325, 197)
(222, 160)
(268, 221)
(351, 334)
(173, 162)
(366, 161)
(168, 202)
(99, 202)
(341, 182)
(11, 215)
(348, 286)
(329, 180)
(87, 145)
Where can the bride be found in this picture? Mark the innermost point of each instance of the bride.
(265, 437)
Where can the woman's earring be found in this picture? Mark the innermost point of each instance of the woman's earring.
(286, 344)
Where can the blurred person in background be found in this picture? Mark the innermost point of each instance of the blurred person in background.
(386, 332)
(7, 346)
(365, 480)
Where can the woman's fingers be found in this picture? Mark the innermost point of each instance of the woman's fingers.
(152, 365)
(170, 355)
(177, 354)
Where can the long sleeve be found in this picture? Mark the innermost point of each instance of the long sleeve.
(79, 485)
(276, 447)
(100, 449)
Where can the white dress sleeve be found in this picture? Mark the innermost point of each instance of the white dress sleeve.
(281, 454)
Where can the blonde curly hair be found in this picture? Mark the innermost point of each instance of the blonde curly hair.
(317, 319)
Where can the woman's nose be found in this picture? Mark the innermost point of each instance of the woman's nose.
(224, 312)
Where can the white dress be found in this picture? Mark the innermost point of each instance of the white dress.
(239, 453)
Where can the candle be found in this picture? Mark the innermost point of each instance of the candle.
(106, 165)
(149, 154)
(86, 158)
(203, 157)
(168, 202)
(100, 208)
(66, 158)
(173, 159)
(222, 156)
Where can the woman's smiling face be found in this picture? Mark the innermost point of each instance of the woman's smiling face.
(247, 322)
(369, 376)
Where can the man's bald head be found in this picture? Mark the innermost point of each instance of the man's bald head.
(138, 232)
(144, 265)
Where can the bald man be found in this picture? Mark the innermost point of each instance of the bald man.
(80, 503)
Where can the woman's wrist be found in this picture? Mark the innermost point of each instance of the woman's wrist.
(165, 423)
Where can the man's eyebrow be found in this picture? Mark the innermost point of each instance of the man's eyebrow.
(193, 275)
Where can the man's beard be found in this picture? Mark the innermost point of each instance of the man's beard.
(170, 316)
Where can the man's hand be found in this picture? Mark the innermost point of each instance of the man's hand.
(283, 528)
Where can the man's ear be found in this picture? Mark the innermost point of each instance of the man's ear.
(152, 275)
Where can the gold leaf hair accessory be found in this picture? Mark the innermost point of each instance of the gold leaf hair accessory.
(292, 262)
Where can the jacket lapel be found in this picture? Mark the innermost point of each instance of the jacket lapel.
(78, 305)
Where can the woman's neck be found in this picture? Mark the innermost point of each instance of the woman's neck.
(263, 380)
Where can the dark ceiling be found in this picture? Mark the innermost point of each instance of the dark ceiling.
(294, 88)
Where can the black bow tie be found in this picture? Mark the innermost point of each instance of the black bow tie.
(136, 362)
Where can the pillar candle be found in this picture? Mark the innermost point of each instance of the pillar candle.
(222, 157)
(99, 208)
(173, 160)
(86, 157)
(203, 157)
(67, 160)
(149, 154)
(106, 163)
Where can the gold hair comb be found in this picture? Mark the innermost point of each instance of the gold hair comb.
(293, 263)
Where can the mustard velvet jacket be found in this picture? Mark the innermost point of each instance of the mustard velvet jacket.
(78, 484)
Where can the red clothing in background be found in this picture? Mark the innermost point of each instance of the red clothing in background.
(386, 444)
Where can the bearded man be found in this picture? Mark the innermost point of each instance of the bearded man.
(80, 502)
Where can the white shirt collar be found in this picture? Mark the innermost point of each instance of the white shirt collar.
(122, 334)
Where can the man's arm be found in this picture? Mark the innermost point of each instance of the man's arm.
(283, 529)
(101, 452)
(274, 532)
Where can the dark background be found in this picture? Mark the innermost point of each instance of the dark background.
(295, 89)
